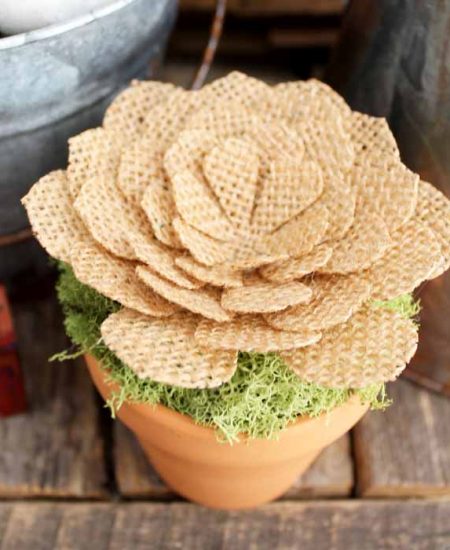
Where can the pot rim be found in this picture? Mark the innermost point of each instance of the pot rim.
(187, 425)
(56, 29)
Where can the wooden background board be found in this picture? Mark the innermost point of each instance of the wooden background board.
(270, 7)
(330, 476)
(405, 452)
(55, 449)
(336, 525)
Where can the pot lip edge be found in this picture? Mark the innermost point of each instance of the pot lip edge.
(186, 424)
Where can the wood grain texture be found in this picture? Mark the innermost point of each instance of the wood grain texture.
(55, 449)
(271, 7)
(335, 525)
(330, 476)
(405, 451)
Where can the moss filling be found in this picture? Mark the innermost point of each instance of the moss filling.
(260, 400)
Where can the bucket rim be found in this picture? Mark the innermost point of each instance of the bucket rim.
(50, 31)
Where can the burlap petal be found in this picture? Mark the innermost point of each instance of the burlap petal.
(236, 87)
(187, 153)
(389, 191)
(296, 268)
(299, 235)
(290, 186)
(206, 250)
(373, 347)
(219, 275)
(411, 260)
(264, 297)
(198, 207)
(328, 144)
(55, 223)
(251, 255)
(92, 153)
(251, 333)
(126, 114)
(116, 279)
(372, 137)
(335, 300)
(159, 205)
(166, 351)
(310, 99)
(433, 209)
(160, 259)
(365, 243)
(232, 170)
(273, 138)
(166, 120)
(237, 255)
(205, 302)
(140, 163)
(339, 197)
(101, 204)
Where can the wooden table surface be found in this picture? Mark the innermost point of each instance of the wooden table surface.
(72, 478)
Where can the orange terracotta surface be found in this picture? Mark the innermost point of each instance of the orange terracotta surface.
(191, 460)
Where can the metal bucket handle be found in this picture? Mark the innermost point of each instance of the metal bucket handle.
(211, 46)
(197, 82)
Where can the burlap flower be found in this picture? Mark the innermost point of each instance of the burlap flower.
(245, 217)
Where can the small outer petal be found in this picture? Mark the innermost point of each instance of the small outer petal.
(115, 278)
(264, 297)
(202, 301)
(251, 333)
(365, 243)
(296, 268)
(335, 300)
(55, 222)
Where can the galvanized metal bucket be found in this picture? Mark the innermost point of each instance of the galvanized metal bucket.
(56, 82)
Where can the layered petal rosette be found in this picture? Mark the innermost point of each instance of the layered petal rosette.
(245, 217)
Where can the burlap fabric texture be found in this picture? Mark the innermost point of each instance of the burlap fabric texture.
(245, 217)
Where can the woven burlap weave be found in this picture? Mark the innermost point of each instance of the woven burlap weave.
(252, 333)
(335, 299)
(115, 278)
(166, 351)
(55, 223)
(245, 217)
(373, 346)
(263, 297)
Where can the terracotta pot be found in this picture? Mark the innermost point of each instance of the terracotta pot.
(191, 460)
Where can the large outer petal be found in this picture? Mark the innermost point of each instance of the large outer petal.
(166, 350)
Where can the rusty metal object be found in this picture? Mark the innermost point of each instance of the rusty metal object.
(211, 47)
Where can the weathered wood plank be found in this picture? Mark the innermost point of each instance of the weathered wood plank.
(330, 476)
(271, 7)
(55, 449)
(405, 451)
(337, 525)
(135, 477)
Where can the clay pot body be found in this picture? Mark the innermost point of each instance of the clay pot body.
(195, 464)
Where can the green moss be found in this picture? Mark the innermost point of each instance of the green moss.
(260, 400)
(406, 305)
